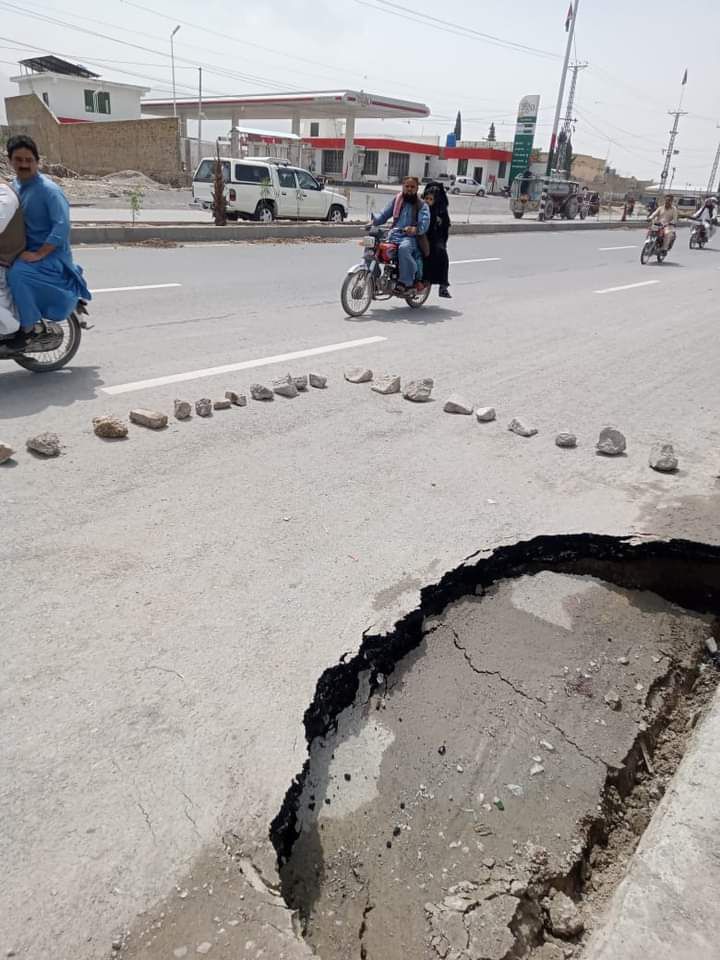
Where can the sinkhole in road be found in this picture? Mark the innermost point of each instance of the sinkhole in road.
(477, 779)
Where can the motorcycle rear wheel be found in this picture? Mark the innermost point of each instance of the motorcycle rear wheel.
(55, 359)
(357, 293)
(416, 299)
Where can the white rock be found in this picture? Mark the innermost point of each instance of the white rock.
(547, 746)
(285, 387)
(237, 399)
(318, 381)
(662, 458)
(358, 375)
(260, 392)
(485, 414)
(386, 384)
(419, 390)
(612, 699)
(565, 919)
(567, 440)
(711, 646)
(536, 769)
(203, 407)
(5, 452)
(611, 442)
(223, 404)
(521, 429)
(153, 419)
(46, 444)
(183, 409)
(458, 404)
(301, 382)
(204, 947)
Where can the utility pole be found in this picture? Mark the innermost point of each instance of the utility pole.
(561, 91)
(670, 152)
(172, 60)
(713, 173)
(568, 119)
(199, 114)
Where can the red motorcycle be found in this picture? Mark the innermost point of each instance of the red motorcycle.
(653, 246)
(376, 277)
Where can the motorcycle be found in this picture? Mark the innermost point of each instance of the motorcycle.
(653, 245)
(54, 346)
(699, 234)
(376, 277)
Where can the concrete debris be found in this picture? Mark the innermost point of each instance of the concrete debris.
(612, 699)
(180, 952)
(711, 646)
(536, 769)
(386, 384)
(566, 440)
(204, 947)
(46, 444)
(110, 428)
(223, 404)
(489, 929)
(515, 789)
(203, 407)
(259, 392)
(611, 442)
(301, 382)
(547, 746)
(457, 404)
(564, 916)
(5, 452)
(358, 375)
(152, 419)
(236, 399)
(459, 904)
(623, 661)
(183, 409)
(419, 390)
(285, 386)
(662, 458)
(485, 414)
(521, 429)
(317, 381)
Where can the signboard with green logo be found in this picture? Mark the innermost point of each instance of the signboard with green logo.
(524, 136)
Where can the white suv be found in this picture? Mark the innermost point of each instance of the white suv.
(467, 185)
(267, 190)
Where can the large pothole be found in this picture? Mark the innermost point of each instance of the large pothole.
(496, 752)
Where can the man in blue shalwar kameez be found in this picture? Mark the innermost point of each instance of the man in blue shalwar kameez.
(45, 282)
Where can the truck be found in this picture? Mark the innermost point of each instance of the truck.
(563, 196)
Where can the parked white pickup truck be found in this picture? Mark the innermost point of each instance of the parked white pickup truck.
(266, 190)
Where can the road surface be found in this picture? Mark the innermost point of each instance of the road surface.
(169, 601)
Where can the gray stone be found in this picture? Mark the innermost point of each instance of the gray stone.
(485, 414)
(223, 404)
(662, 458)
(152, 419)
(565, 919)
(301, 382)
(285, 387)
(386, 384)
(457, 404)
(317, 381)
(180, 952)
(116, 944)
(110, 428)
(237, 399)
(611, 442)
(612, 699)
(259, 392)
(358, 375)
(550, 951)
(419, 390)
(489, 929)
(5, 452)
(568, 440)
(521, 429)
(46, 444)
(183, 409)
(204, 947)
(459, 904)
(203, 407)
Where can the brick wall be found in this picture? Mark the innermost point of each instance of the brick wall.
(150, 146)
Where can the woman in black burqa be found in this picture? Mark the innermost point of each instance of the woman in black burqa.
(436, 265)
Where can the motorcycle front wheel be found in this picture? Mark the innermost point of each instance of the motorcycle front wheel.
(58, 358)
(357, 293)
(647, 251)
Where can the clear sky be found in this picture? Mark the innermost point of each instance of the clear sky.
(637, 51)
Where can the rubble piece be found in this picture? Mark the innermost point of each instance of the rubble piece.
(183, 409)
(301, 382)
(236, 399)
(260, 392)
(521, 429)
(152, 419)
(565, 919)
(6, 452)
(358, 375)
(223, 404)
(203, 407)
(611, 442)
(536, 769)
(318, 381)
(612, 699)
(386, 384)
(485, 414)
(566, 440)
(418, 391)
(662, 458)
(457, 404)
(46, 444)
(285, 386)
(110, 428)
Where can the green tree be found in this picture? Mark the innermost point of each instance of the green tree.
(491, 133)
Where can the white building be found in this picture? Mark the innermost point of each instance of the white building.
(77, 95)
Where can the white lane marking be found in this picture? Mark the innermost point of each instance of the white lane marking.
(144, 286)
(628, 286)
(454, 263)
(631, 246)
(243, 365)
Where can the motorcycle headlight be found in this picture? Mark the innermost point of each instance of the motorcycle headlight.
(368, 243)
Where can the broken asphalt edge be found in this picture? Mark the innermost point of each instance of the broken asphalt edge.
(199, 233)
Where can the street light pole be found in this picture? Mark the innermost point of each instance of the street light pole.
(561, 91)
(199, 114)
(172, 61)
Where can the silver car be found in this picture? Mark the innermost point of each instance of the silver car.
(467, 185)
